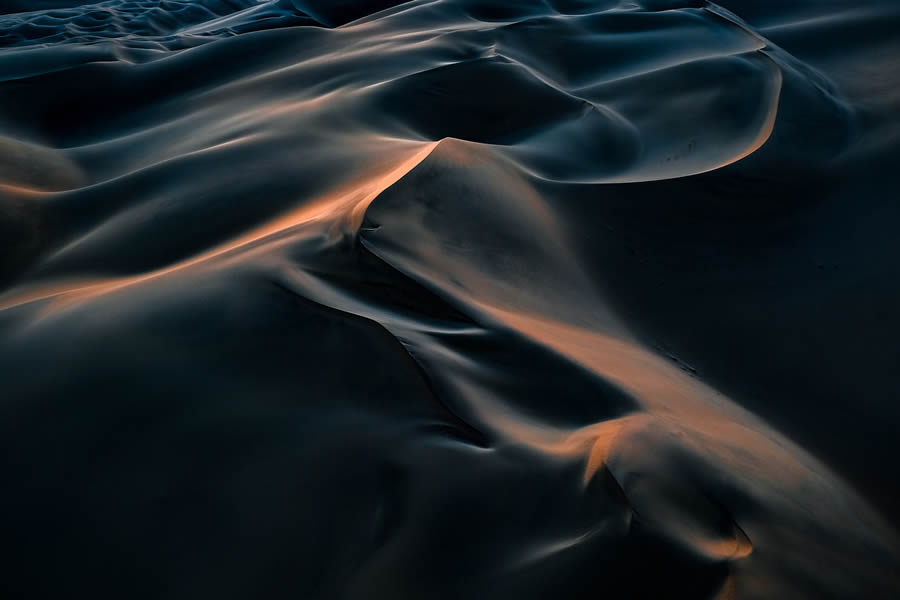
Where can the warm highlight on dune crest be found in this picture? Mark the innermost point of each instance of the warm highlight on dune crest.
(450, 298)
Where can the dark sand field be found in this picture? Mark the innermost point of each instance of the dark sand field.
(439, 299)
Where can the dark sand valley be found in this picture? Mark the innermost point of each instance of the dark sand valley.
(450, 299)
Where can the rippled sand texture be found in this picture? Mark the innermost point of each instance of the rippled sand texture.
(450, 298)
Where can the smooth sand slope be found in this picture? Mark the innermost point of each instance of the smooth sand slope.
(450, 299)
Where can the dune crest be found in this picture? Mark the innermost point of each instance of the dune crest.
(449, 298)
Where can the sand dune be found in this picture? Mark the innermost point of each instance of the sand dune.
(449, 298)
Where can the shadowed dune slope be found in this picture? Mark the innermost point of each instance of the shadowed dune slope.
(449, 299)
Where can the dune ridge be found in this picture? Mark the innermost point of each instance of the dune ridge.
(448, 298)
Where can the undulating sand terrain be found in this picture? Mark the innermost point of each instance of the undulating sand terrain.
(450, 299)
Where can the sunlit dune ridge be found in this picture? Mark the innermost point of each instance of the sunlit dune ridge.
(449, 298)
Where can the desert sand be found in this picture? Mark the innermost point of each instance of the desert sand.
(450, 299)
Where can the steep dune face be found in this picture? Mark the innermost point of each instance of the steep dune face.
(448, 298)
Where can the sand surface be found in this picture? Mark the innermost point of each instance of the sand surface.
(450, 299)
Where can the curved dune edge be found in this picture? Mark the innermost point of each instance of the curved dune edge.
(679, 414)
(352, 201)
(350, 299)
